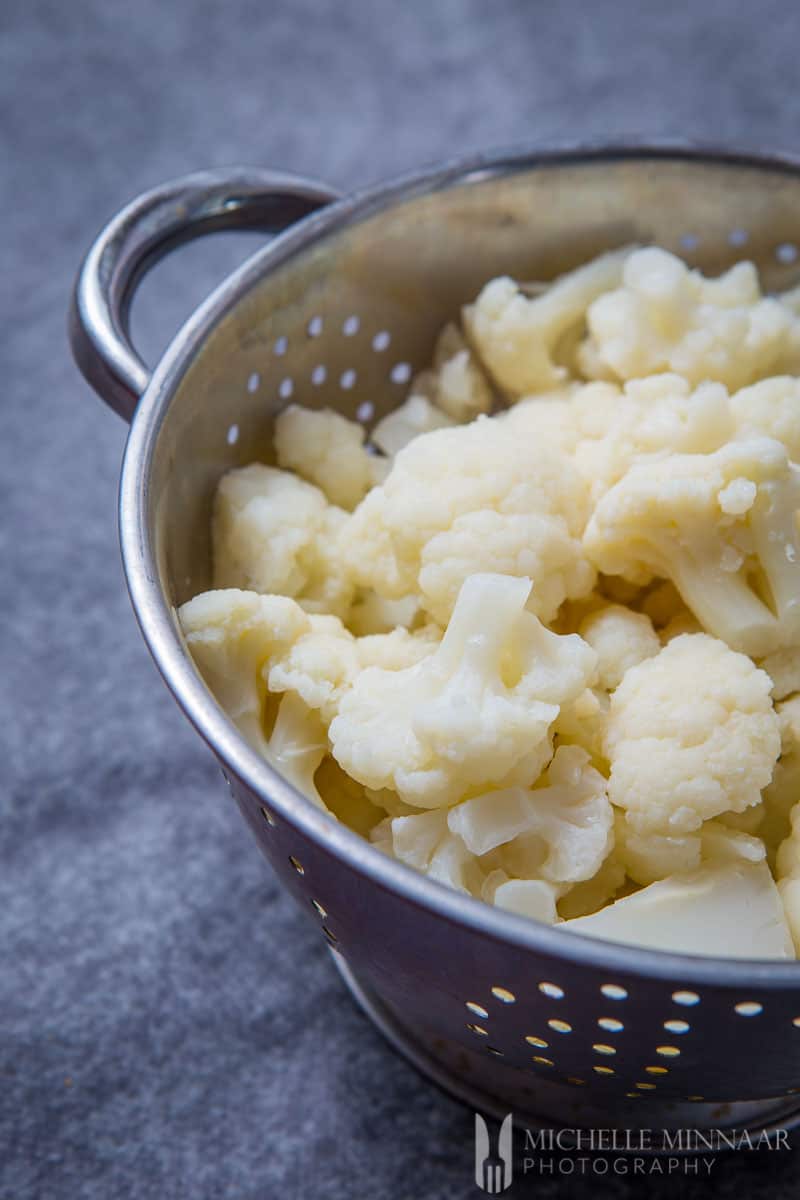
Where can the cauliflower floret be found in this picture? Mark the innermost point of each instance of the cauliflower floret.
(648, 419)
(297, 745)
(665, 317)
(728, 909)
(324, 662)
(273, 533)
(474, 714)
(647, 857)
(232, 636)
(705, 522)
(620, 638)
(771, 409)
(522, 544)
(517, 337)
(531, 898)
(414, 417)
(563, 828)
(548, 418)
(326, 449)
(445, 475)
(690, 734)
(319, 666)
(423, 841)
(456, 384)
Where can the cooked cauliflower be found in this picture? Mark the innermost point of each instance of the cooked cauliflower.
(522, 544)
(326, 449)
(474, 714)
(620, 638)
(274, 533)
(297, 745)
(518, 663)
(456, 384)
(666, 317)
(705, 522)
(771, 409)
(233, 636)
(325, 661)
(647, 857)
(566, 824)
(690, 734)
(646, 420)
(517, 337)
(546, 419)
(451, 473)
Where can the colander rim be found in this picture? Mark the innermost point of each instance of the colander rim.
(159, 628)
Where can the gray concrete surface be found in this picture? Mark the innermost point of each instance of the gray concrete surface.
(169, 1027)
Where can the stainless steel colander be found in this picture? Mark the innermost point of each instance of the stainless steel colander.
(339, 310)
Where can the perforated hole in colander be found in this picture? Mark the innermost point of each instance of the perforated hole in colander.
(477, 1010)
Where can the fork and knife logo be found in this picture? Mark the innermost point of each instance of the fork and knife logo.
(493, 1170)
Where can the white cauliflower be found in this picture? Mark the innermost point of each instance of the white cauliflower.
(770, 408)
(423, 841)
(326, 449)
(324, 662)
(648, 419)
(517, 337)
(233, 636)
(274, 533)
(563, 828)
(452, 473)
(548, 418)
(691, 734)
(318, 667)
(705, 522)
(730, 909)
(297, 745)
(666, 317)
(532, 898)
(522, 544)
(474, 714)
(647, 857)
(414, 417)
(456, 384)
(620, 638)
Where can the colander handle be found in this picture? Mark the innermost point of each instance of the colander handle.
(141, 234)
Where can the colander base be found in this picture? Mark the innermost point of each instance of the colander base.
(543, 1105)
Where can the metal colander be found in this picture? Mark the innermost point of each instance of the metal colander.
(340, 310)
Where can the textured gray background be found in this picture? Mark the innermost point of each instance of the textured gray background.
(169, 1026)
